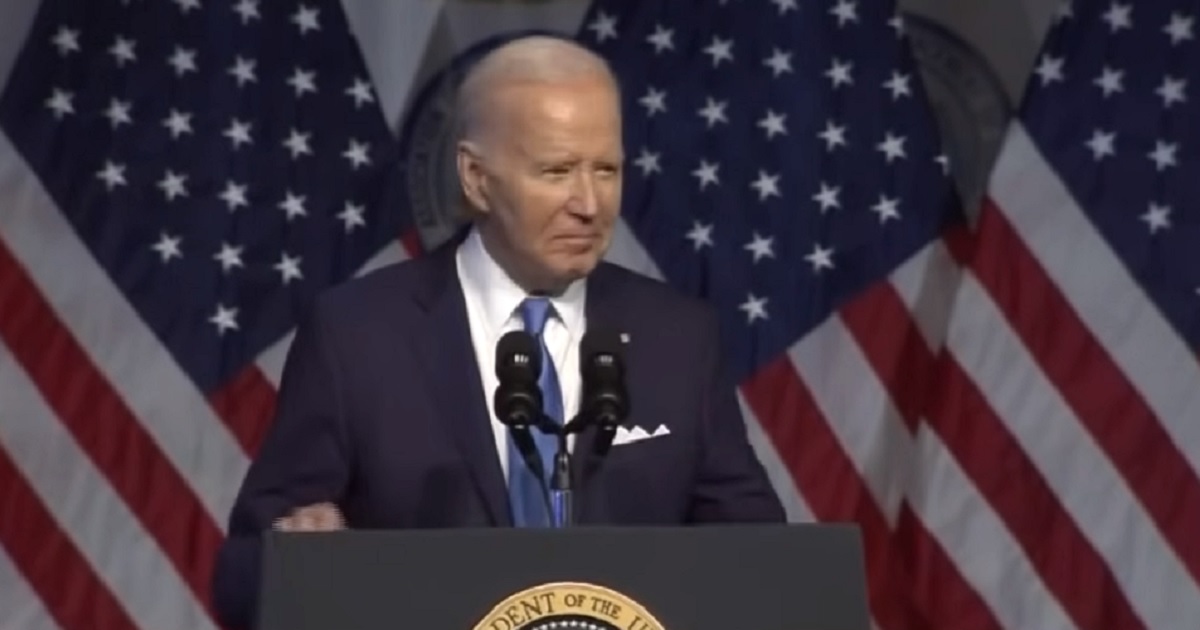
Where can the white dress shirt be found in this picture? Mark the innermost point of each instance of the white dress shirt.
(493, 302)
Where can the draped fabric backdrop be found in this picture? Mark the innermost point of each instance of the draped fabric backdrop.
(950, 328)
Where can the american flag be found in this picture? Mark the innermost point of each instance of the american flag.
(1070, 389)
(1019, 449)
(190, 174)
(785, 166)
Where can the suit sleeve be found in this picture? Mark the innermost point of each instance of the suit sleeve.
(303, 460)
(731, 485)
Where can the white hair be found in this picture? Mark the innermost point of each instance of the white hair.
(532, 59)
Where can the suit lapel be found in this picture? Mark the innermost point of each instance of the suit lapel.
(444, 344)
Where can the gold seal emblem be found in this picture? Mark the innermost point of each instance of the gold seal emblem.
(568, 606)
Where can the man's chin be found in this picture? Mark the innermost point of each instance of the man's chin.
(572, 274)
(570, 271)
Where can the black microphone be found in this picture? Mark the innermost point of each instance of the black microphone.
(518, 398)
(605, 401)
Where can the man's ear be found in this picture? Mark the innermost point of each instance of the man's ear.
(471, 175)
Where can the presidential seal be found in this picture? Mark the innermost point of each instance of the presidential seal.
(568, 606)
(968, 99)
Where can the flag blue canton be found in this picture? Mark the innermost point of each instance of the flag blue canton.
(782, 156)
(223, 161)
(1113, 108)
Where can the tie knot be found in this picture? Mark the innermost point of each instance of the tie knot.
(534, 312)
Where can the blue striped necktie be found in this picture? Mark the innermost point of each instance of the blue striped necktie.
(525, 491)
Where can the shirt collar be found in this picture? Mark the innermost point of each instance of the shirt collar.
(500, 296)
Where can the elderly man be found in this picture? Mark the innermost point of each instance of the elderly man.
(384, 415)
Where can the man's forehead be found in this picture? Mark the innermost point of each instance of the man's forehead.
(540, 102)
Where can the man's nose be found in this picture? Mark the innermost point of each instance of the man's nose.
(584, 198)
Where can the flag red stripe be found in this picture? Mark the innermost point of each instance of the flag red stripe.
(54, 568)
(410, 240)
(893, 346)
(1091, 383)
(932, 571)
(245, 404)
(829, 481)
(960, 242)
(105, 429)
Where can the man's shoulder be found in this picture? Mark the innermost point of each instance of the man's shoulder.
(385, 288)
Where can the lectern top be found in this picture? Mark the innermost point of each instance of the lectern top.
(764, 577)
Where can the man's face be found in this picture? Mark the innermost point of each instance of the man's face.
(549, 179)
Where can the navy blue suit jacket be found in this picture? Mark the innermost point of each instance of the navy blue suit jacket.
(381, 411)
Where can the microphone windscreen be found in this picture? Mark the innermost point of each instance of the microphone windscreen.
(517, 354)
(602, 368)
(599, 343)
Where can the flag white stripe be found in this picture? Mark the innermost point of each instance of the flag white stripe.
(977, 541)
(20, 606)
(926, 285)
(1113, 306)
(857, 409)
(115, 338)
(89, 512)
(271, 361)
(1075, 468)
(627, 251)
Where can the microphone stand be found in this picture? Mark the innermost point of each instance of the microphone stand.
(562, 503)
(560, 494)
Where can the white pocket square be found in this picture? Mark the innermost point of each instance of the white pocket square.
(625, 435)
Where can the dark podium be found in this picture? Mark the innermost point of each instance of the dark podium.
(743, 577)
